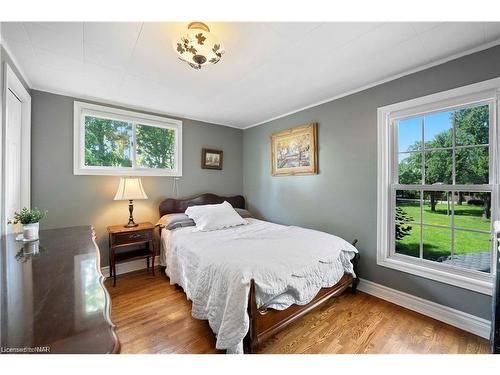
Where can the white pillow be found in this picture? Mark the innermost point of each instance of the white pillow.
(215, 216)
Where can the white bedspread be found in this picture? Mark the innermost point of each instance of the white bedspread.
(289, 265)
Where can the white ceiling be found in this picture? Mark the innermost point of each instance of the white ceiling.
(269, 69)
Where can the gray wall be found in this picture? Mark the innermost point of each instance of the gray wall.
(342, 199)
(77, 200)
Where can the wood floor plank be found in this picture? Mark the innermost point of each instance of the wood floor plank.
(153, 316)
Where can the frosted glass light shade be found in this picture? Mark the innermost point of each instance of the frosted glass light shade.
(198, 46)
(130, 188)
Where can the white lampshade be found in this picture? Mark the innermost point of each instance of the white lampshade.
(130, 188)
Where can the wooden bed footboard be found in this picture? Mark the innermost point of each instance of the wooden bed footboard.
(265, 322)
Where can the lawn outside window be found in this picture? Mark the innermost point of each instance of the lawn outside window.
(438, 185)
(111, 141)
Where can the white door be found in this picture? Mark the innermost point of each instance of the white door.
(13, 153)
(16, 149)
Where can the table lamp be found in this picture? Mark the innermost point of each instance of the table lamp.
(130, 188)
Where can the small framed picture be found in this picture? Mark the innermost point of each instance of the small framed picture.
(211, 159)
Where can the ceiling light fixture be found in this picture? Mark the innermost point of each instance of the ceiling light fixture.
(198, 47)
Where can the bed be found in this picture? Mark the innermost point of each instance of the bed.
(245, 291)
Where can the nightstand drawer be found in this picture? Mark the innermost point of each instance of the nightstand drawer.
(122, 238)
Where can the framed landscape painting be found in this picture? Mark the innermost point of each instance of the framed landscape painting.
(211, 159)
(294, 151)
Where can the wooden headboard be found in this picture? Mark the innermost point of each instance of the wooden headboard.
(172, 206)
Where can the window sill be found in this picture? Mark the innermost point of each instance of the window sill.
(126, 172)
(460, 278)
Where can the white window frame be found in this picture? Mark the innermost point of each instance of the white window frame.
(482, 92)
(81, 109)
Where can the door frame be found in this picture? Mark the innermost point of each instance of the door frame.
(13, 83)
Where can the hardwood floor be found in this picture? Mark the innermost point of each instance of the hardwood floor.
(153, 316)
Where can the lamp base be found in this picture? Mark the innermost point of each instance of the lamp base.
(131, 223)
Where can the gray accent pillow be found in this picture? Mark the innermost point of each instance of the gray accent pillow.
(174, 221)
(243, 213)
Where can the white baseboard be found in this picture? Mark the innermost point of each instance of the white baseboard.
(459, 319)
(126, 267)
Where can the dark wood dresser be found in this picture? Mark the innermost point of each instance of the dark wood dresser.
(52, 295)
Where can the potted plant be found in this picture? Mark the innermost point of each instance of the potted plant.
(30, 219)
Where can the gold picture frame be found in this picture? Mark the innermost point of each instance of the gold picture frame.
(295, 151)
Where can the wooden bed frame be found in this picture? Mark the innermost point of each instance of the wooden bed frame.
(264, 321)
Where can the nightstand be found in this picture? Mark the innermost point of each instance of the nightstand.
(122, 237)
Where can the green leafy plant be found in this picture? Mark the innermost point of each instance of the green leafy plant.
(403, 229)
(28, 216)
